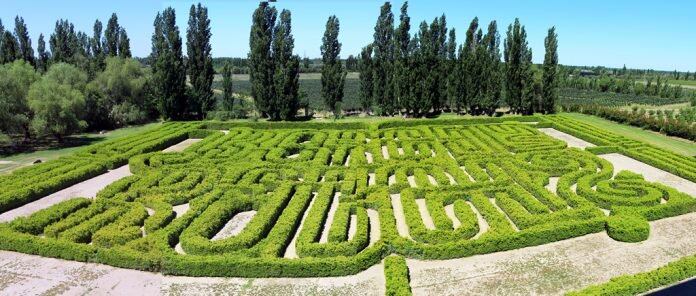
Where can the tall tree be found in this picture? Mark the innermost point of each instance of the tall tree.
(124, 44)
(26, 52)
(97, 48)
(468, 80)
(402, 40)
(111, 36)
(451, 66)
(333, 76)
(168, 70)
(366, 82)
(2, 36)
(384, 56)
(200, 61)
(286, 101)
(43, 56)
(491, 70)
(260, 59)
(530, 88)
(549, 92)
(227, 96)
(517, 67)
(10, 48)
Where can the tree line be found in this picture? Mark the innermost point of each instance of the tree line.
(430, 72)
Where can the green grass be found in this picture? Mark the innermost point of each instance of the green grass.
(12, 162)
(676, 145)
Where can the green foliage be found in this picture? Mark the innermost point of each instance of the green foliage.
(227, 91)
(627, 228)
(168, 69)
(261, 70)
(366, 78)
(57, 101)
(200, 61)
(397, 277)
(383, 46)
(333, 76)
(285, 101)
(549, 94)
(15, 80)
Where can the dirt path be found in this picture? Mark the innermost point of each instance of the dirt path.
(88, 188)
(401, 226)
(375, 230)
(555, 268)
(650, 173)
(571, 140)
(22, 274)
(182, 145)
(425, 215)
(291, 251)
(235, 225)
(329, 218)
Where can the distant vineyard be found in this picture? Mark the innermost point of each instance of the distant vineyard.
(310, 84)
(570, 96)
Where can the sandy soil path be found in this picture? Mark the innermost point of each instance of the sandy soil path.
(88, 188)
(181, 146)
(329, 218)
(425, 214)
(401, 226)
(650, 173)
(555, 268)
(571, 140)
(291, 251)
(235, 225)
(22, 274)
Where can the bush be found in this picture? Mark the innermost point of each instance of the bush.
(628, 228)
(397, 277)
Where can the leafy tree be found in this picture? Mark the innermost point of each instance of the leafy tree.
(517, 68)
(117, 96)
(530, 89)
(43, 56)
(57, 101)
(365, 67)
(351, 63)
(124, 44)
(452, 67)
(261, 64)
(285, 103)
(200, 61)
(26, 52)
(111, 36)
(2, 36)
(227, 95)
(168, 69)
(490, 78)
(550, 80)
(15, 80)
(384, 56)
(468, 80)
(402, 56)
(10, 48)
(69, 46)
(96, 46)
(333, 76)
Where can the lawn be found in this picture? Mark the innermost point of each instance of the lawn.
(676, 145)
(12, 162)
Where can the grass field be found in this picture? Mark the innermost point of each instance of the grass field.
(12, 162)
(325, 199)
(676, 145)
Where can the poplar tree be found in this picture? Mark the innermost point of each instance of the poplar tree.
(111, 36)
(491, 70)
(168, 70)
(260, 60)
(451, 66)
(442, 69)
(10, 48)
(25, 50)
(333, 76)
(98, 60)
(227, 96)
(123, 44)
(384, 56)
(365, 67)
(2, 36)
(517, 69)
(468, 66)
(402, 40)
(200, 61)
(549, 92)
(286, 100)
(43, 56)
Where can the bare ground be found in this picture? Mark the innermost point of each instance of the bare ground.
(88, 188)
(182, 145)
(650, 173)
(571, 140)
(235, 225)
(555, 268)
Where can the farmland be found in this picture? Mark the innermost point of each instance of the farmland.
(304, 200)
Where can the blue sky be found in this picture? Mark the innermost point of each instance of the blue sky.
(640, 34)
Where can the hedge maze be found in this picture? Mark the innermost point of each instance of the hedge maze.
(332, 199)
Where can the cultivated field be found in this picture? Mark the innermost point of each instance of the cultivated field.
(350, 208)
